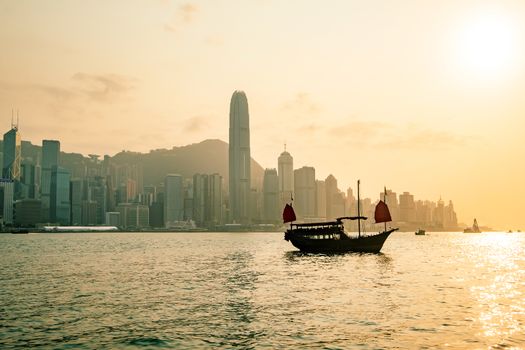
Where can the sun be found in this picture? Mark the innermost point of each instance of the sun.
(486, 44)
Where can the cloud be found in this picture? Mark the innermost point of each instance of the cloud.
(302, 103)
(195, 124)
(214, 41)
(102, 88)
(360, 129)
(185, 14)
(95, 88)
(423, 139)
(382, 135)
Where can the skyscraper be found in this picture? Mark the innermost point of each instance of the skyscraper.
(50, 159)
(239, 158)
(271, 208)
(60, 208)
(304, 188)
(332, 198)
(285, 171)
(12, 154)
(6, 201)
(215, 190)
(173, 199)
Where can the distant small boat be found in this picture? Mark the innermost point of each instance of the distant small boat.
(20, 231)
(330, 237)
(420, 232)
(473, 229)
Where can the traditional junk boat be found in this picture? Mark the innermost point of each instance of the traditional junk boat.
(473, 229)
(330, 237)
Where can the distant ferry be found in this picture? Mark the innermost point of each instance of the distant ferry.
(330, 237)
(420, 232)
(473, 229)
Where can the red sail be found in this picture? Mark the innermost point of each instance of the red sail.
(382, 213)
(288, 214)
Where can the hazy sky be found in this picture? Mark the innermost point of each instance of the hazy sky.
(420, 96)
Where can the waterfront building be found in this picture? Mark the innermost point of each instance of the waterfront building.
(112, 218)
(207, 200)
(60, 207)
(156, 212)
(89, 212)
(305, 192)
(7, 189)
(407, 208)
(173, 200)
(50, 159)
(392, 203)
(200, 203)
(27, 212)
(133, 215)
(351, 203)
(215, 199)
(271, 203)
(76, 197)
(331, 196)
(320, 193)
(239, 159)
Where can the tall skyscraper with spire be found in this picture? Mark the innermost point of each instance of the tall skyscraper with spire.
(239, 159)
(12, 154)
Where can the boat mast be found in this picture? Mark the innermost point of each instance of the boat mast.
(358, 211)
(384, 200)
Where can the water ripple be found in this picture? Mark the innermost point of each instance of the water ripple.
(251, 291)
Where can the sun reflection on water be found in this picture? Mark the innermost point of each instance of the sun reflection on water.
(499, 292)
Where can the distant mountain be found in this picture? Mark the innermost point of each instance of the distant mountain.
(206, 157)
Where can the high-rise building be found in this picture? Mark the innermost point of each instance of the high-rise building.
(27, 180)
(76, 198)
(320, 204)
(271, 203)
(112, 218)
(215, 198)
(50, 159)
(200, 201)
(392, 203)
(207, 199)
(407, 208)
(351, 203)
(27, 212)
(331, 196)
(12, 154)
(285, 172)
(133, 215)
(173, 200)
(7, 189)
(304, 188)
(239, 159)
(60, 208)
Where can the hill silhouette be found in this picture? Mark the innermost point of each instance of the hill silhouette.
(206, 157)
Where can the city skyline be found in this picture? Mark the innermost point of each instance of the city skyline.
(434, 105)
(91, 191)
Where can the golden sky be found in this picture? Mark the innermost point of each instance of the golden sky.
(420, 96)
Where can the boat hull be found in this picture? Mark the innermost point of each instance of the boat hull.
(363, 244)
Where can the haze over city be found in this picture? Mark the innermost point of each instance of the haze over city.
(421, 97)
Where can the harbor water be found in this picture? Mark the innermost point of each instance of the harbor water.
(256, 291)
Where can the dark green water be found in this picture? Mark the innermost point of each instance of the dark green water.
(254, 291)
